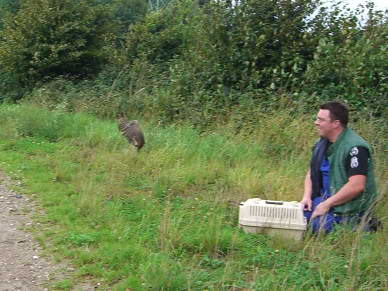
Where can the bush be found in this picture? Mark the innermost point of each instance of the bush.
(196, 60)
(48, 38)
(354, 69)
(209, 59)
(161, 36)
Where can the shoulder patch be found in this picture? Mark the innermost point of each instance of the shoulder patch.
(354, 162)
(354, 151)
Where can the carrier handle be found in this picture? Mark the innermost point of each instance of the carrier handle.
(274, 202)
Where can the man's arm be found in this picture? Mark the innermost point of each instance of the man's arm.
(357, 168)
(354, 187)
(308, 189)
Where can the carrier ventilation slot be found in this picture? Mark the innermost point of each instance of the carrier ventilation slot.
(274, 212)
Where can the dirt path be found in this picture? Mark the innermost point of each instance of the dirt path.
(22, 266)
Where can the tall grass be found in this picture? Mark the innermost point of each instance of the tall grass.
(166, 218)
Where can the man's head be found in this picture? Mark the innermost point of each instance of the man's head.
(338, 111)
(332, 118)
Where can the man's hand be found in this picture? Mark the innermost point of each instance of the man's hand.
(307, 203)
(321, 209)
(349, 191)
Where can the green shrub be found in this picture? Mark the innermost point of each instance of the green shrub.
(209, 59)
(355, 70)
(46, 38)
(161, 36)
(202, 61)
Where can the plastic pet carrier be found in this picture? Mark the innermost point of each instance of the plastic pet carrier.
(276, 218)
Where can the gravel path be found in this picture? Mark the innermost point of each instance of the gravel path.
(21, 265)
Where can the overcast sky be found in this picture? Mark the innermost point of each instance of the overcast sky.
(380, 4)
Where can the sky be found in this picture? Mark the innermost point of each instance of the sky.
(380, 4)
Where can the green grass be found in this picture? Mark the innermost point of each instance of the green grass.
(166, 218)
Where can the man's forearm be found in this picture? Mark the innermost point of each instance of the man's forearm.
(354, 187)
(308, 186)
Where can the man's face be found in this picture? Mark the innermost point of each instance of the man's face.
(325, 126)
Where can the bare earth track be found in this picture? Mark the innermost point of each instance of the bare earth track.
(22, 266)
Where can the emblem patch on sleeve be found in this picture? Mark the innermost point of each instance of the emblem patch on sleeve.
(354, 151)
(354, 162)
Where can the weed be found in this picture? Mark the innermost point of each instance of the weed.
(166, 218)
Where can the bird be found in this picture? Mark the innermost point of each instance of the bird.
(132, 131)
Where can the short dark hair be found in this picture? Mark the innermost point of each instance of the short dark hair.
(338, 111)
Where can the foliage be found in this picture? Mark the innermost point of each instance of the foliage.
(157, 4)
(196, 60)
(7, 6)
(255, 38)
(161, 36)
(125, 12)
(223, 54)
(46, 38)
(354, 68)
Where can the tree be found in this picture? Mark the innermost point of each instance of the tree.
(7, 6)
(47, 38)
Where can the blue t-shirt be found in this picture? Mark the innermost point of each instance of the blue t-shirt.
(325, 166)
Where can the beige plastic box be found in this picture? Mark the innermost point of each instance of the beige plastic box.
(276, 218)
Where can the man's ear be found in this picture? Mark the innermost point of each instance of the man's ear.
(337, 123)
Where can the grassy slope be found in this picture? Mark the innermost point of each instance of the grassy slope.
(166, 218)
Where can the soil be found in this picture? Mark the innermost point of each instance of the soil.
(22, 264)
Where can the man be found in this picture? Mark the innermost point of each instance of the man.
(340, 185)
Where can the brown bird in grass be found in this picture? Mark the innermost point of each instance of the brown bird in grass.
(132, 131)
